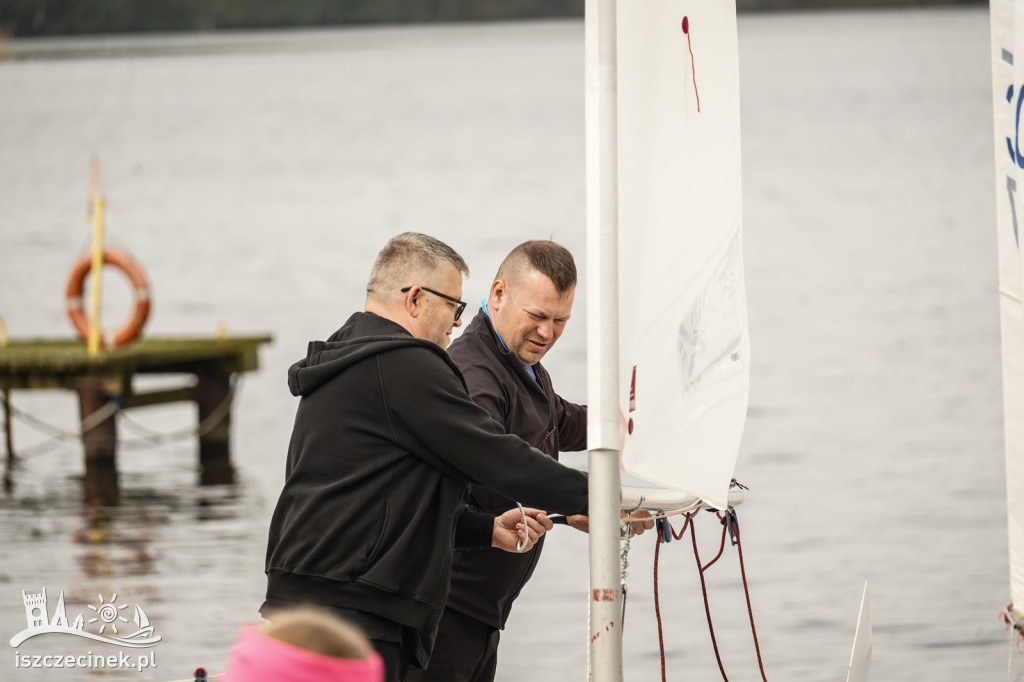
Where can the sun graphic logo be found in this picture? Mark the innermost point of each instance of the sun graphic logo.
(109, 615)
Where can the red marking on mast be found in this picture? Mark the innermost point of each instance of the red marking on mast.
(632, 392)
(693, 68)
(632, 401)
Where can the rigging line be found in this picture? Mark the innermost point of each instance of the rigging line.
(1009, 663)
(721, 547)
(657, 604)
(1013, 625)
(627, 532)
(682, 530)
(707, 605)
(664, 514)
(732, 519)
(660, 528)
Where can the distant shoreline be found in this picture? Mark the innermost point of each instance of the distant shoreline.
(342, 37)
(107, 17)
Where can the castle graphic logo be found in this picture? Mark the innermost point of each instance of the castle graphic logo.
(108, 619)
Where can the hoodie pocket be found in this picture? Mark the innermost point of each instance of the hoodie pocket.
(374, 546)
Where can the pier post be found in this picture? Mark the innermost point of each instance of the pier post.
(99, 439)
(9, 440)
(213, 398)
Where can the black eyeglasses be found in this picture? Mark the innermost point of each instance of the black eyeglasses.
(461, 304)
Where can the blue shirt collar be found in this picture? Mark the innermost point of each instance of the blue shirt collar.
(483, 306)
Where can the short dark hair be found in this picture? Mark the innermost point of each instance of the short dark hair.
(546, 257)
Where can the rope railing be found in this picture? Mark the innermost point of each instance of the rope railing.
(112, 407)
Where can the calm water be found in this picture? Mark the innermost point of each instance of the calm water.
(255, 176)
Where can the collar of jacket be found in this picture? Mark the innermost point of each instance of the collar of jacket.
(481, 324)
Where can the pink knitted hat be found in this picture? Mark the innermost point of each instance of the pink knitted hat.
(257, 657)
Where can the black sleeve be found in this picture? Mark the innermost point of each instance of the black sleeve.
(433, 416)
(572, 425)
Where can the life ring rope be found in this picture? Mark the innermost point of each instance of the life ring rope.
(140, 285)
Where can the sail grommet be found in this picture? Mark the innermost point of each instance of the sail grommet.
(140, 285)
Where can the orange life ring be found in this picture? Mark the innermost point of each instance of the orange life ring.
(76, 285)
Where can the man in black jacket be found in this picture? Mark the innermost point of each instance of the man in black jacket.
(499, 354)
(386, 439)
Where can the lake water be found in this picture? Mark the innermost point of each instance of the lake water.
(256, 175)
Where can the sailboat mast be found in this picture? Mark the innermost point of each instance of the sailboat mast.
(603, 341)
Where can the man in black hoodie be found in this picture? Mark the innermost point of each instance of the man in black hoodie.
(386, 439)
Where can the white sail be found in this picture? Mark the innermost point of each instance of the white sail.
(140, 618)
(1007, 24)
(684, 351)
(667, 330)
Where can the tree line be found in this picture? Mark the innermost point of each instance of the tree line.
(70, 17)
(21, 18)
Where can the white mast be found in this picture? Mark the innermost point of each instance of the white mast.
(603, 341)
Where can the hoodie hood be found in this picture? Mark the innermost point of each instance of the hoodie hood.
(362, 336)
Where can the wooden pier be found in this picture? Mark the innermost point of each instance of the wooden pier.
(105, 385)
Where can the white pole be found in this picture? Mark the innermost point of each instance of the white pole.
(603, 342)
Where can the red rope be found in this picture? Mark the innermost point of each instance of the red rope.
(721, 547)
(657, 606)
(682, 531)
(728, 522)
(704, 590)
(746, 593)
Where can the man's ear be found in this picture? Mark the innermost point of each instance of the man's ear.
(499, 294)
(413, 297)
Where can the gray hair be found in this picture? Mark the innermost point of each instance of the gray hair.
(410, 259)
(546, 257)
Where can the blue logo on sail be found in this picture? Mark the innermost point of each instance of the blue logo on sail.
(1013, 145)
